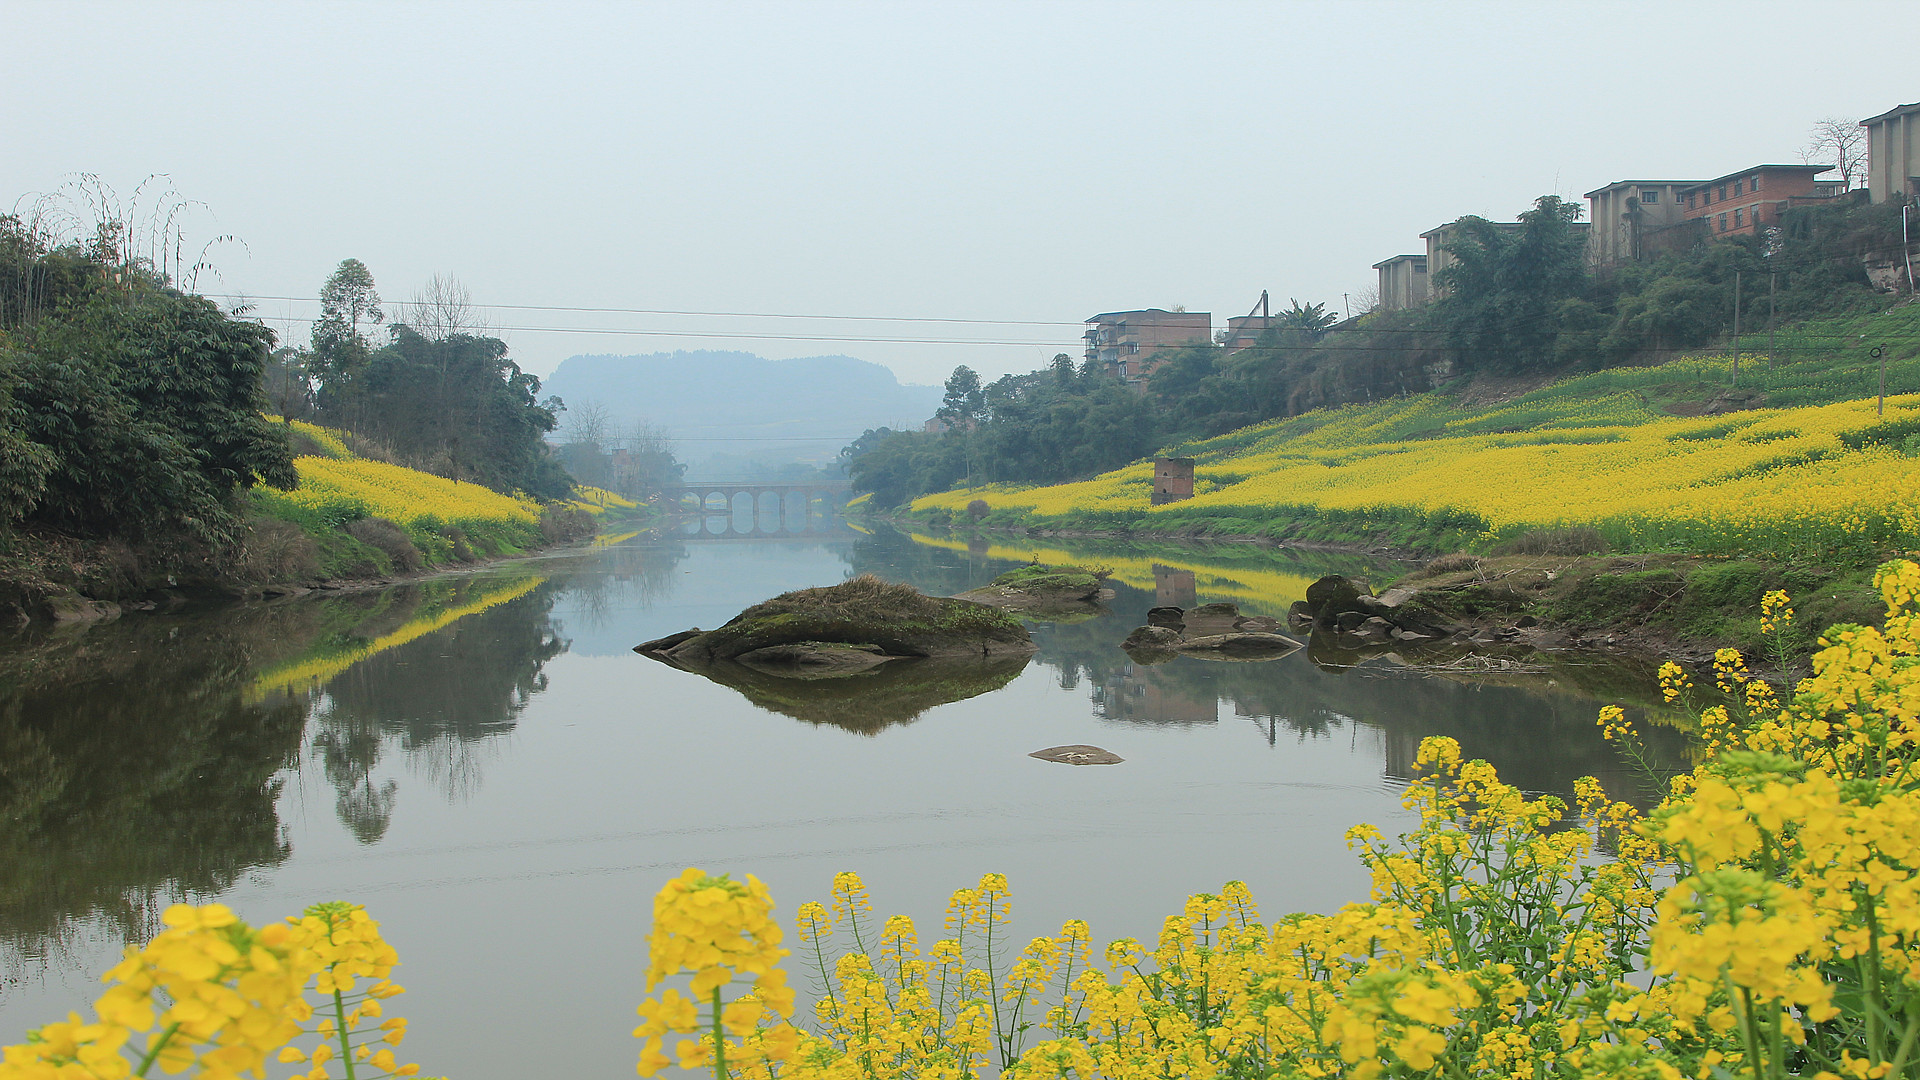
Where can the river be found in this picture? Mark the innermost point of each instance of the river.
(483, 762)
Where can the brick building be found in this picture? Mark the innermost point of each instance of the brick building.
(1126, 343)
(1626, 214)
(1742, 203)
(1893, 153)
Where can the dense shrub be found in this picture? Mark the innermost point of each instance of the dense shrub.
(390, 539)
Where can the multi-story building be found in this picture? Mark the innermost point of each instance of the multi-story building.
(1743, 203)
(1625, 214)
(1403, 282)
(1128, 343)
(1893, 153)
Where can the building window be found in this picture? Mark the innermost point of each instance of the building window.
(1132, 347)
(1722, 194)
(1649, 196)
(1690, 198)
(1740, 217)
(1736, 189)
(1723, 223)
(1754, 184)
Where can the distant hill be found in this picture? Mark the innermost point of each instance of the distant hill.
(736, 404)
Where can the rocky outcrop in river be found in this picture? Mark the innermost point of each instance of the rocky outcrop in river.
(1210, 631)
(844, 628)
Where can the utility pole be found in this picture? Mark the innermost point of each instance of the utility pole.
(1736, 329)
(1772, 281)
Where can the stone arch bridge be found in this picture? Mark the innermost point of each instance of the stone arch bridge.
(725, 497)
(795, 509)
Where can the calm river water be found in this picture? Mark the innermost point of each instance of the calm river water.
(485, 764)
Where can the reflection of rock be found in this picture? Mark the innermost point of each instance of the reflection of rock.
(814, 659)
(1211, 632)
(893, 619)
(1078, 754)
(1049, 593)
(895, 691)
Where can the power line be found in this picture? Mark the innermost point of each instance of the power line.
(705, 314)
(1321, 346)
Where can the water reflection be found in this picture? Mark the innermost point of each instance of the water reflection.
(141, 761)
(135, 767)
(485, 747)
(1534, 723)
(438, 714)
(868, 702)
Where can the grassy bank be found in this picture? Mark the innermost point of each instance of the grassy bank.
(1798, 462)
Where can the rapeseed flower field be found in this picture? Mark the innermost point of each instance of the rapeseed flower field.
(1764, 482)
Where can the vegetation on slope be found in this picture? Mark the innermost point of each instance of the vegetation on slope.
(1522, 303)
(1432, 472)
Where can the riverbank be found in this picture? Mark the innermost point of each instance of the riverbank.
(1553, 594)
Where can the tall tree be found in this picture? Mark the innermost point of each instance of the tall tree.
(965, 400)
(349, 309)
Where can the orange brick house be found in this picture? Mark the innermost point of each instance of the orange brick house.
(1742, 203)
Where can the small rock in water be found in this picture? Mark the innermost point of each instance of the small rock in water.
(1078, 754)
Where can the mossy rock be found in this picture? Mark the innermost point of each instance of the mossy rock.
(895, 620)
(1048, 593)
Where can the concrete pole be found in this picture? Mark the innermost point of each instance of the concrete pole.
(1736, 329)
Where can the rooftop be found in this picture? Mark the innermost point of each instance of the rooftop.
(1144, 311)
(1810, 170)
(1898, 110)
(1641, 183)
(1397, 258)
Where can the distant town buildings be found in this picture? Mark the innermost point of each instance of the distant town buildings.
(1403, 282)
(1740, 204)
(1626, 215)
(1126, 344)
(1893, 153)
(1626, 220)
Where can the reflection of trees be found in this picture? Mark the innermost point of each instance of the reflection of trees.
(134, 770)
(440, 698)
(622, 576)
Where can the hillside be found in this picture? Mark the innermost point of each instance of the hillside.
(1796, 462)
(803, 409)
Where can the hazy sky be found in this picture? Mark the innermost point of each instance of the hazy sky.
(1036, 162)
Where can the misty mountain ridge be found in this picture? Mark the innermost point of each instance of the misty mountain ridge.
(802, 409)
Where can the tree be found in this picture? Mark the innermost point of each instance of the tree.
(349, 308)
(1505, 285)
(965, 400)
(584, 447)
(1312, 319)
(288, 382)
(1843, 143)
(443, 308)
